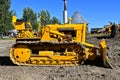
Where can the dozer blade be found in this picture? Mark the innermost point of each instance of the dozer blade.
(103, 49)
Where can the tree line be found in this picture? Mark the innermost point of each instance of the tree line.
(28, 14)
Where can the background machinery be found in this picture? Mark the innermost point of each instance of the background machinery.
(62, 44)
(95, 30)
(109, 31)
(23, 27)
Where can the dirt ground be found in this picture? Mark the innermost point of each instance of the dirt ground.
(8, 71)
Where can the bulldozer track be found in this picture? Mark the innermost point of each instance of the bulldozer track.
(35, 59)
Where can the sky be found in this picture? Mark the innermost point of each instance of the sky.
(96, 12)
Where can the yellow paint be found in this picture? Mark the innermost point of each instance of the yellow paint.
(22, 53)
(55, 55)
(90, 55)
(14, 18)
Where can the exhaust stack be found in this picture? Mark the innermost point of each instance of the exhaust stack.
(65, 20)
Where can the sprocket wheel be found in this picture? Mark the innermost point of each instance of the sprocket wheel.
(21, 53)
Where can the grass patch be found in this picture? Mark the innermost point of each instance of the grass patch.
(6, 38)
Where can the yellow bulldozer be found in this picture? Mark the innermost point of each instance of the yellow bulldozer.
(59, 44)
(109, 31)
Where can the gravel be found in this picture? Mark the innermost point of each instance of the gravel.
(9, 71)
